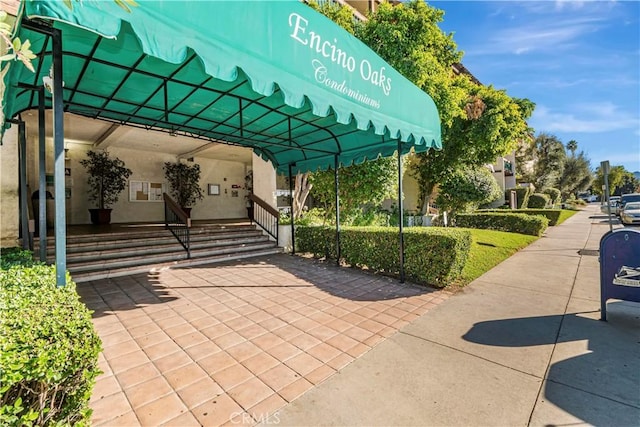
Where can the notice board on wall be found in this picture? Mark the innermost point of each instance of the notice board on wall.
(146, 191)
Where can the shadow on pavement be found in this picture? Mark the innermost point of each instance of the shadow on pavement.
(108, 296)
(288, 271)
(607, 373)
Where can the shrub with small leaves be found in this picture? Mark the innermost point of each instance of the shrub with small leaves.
(533, 225)
(553, 215)
(48, 348)
(554, 194)
(433, 256)
(538, 201)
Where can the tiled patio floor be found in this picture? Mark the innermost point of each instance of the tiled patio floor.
(232, 343)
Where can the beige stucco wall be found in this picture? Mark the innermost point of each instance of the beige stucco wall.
(411, 192)
(9, 206)
(264, 180)
(148, 166)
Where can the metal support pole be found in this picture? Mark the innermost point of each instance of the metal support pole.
(605, 174)
(42, 171)
(337, 187)
(58, 155)
(22, 176)
(293, 226)
(400, 212)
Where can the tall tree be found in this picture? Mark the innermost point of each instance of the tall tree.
(576, 175)
(616, 174)
(572, 146)
(337, 12)
(628, 184)
(550, 158)
(479, 123)
(476, 139)
(408, 37)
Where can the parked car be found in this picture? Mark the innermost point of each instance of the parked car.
(626, 198)
(630, 214)
(605, 208)
(588, 197)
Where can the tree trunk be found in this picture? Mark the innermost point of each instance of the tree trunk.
(428, 190)
(300, 193)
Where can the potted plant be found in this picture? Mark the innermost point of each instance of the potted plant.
(184, 183)
(107, 179)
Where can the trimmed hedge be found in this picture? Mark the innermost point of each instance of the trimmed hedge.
(554, 195)
(433, 256)
(522, 194)
(533, 225)
(48, 347)
(553, 215)
(538, 201)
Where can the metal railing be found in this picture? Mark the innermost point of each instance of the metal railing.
(178, 222)
(265, 215)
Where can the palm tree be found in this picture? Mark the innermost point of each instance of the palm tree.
(572, 146)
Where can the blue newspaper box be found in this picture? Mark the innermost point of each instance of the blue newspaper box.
(619, 267)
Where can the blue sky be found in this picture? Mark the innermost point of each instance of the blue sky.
(579, 61)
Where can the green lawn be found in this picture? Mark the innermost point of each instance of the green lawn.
(488, 249)
(565, 214)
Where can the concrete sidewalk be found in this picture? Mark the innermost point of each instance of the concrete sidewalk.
(522, 345)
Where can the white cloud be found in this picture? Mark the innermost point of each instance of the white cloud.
(545, 26)
(542, 36)
(571, 4)
(584, 118)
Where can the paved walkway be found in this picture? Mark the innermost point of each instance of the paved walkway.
(234, 343)
(522, 345)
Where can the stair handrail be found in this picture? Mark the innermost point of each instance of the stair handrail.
(178, 222)
(265, 215)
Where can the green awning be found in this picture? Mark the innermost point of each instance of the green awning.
(272, 75)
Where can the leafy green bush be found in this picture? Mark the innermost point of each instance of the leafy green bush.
(314, 216)
(48, 347)
(15, 256)
(533, 225)
(434, 256)
(553, 215)
(538, 201)
(522, 195)
(555, 196)
(467, 188)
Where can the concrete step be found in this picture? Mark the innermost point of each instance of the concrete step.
(80, 277)
(81, 243)
(166, 239)
(144, 257)
(154, 248)
(99, 255)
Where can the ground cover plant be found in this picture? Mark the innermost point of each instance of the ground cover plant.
(48, 346)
